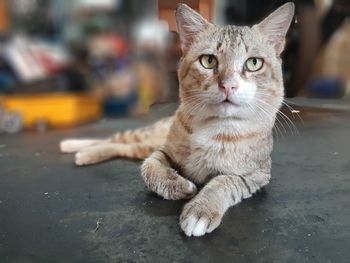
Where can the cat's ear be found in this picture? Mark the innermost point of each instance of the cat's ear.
(276, 25)
(189, 23)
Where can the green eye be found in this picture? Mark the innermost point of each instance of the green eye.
(254, 64)
(208, 61)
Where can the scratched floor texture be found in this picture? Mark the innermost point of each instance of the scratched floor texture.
(49, 208)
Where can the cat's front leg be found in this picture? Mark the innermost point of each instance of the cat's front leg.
(162, 179)
(205, 211)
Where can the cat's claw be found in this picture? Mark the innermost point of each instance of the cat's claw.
(198, 218)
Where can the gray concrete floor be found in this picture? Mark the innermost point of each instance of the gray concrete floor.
(49, 208)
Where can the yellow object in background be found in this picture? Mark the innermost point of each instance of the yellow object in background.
(54, 109)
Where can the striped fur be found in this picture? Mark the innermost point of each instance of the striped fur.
(219, 138)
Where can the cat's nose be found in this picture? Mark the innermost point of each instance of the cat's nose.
(227, 88)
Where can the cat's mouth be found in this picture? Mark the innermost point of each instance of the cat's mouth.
(228, 102)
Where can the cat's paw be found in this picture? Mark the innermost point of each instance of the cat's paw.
(177, 189)
(85, 158)
(166, 182)
(199, 217)
(184, 189)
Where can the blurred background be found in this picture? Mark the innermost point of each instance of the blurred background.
(65, 63)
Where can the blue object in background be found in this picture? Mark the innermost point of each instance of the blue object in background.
(116, 106)
(6, 81)
(326, 88)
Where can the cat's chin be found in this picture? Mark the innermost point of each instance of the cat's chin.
(227, 109)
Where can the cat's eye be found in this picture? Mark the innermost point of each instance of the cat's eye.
(254, 64)
(208, 61)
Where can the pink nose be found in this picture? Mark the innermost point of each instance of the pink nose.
(226, 88)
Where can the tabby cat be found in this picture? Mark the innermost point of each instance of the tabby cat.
(220, 138)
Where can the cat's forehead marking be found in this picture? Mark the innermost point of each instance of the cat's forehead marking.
(218, 45)
(233, 37)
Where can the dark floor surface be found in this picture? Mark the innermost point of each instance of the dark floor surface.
(49, 208)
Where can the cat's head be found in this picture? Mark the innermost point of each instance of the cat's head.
(232, 71)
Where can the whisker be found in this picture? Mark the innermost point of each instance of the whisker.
(276, 123)
(278, 131)
(293, 111)
(284, 102)
(289, 122)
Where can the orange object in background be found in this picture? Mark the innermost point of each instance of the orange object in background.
(55, 109)
(167, 8)
(4, 18)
